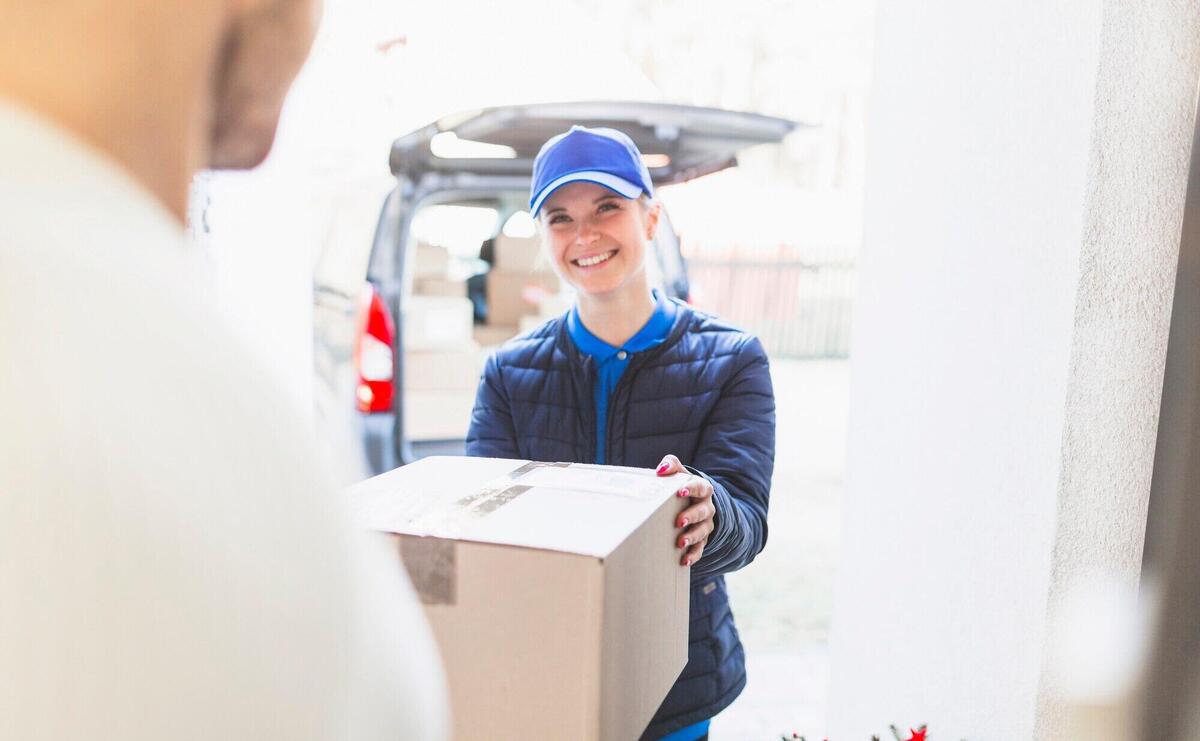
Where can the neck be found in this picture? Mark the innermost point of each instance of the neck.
(130, 80)
(618, 315)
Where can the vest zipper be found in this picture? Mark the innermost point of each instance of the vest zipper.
(631, 371)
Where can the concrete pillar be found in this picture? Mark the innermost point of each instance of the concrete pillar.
(1027, 166)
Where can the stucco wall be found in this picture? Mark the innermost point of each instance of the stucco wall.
(1026, 170)
(1137, 175)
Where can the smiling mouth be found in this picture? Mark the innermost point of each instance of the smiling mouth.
(594, 260)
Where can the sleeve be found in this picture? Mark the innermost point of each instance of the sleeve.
(491, 434)
(737, 455)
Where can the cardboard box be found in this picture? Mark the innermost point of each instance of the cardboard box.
(438, 415)
(554, 591)
(553, 305)
(450, 369)
(556, 304)
(440, 287)
(492, 336)
(430, 261)
(530, 323)
(511, 296)
(432, 322)
(519, 254)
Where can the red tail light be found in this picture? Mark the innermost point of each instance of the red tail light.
(374, 358)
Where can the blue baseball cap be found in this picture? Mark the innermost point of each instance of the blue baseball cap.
(603, 156)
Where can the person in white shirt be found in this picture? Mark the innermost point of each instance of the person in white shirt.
(173, 562)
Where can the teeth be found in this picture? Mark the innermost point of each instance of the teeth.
(587, 262)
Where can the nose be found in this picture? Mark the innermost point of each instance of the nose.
(587, 233)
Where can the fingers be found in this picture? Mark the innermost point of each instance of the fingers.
(697, 513)
(670, 465)
(693, 539)
(696, 488)
(696, 534)
(697, 519)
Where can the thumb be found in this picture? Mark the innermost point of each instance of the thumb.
(670, 465)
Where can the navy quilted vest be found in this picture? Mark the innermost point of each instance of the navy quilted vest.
(704, 395)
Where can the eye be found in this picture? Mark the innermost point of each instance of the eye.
(558, 218)
(608, 206)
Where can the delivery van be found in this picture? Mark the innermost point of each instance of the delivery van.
(403, 324)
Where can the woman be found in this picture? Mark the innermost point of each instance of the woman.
(629, 377)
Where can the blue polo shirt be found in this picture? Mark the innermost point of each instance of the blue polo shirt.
(610, 365)
(611, 361)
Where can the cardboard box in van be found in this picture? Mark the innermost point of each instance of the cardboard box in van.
(437, 322)
(519, 254)
(511, 296)
(440, 287)
(431, 414)
(430, 261)
(444, 369)
(491, 336)
(554, 590)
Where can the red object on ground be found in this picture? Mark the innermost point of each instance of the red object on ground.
(918, 735)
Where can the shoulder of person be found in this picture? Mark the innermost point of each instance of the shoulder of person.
(534, 348)
(709, 336)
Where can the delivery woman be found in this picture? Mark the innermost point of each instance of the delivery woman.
(629, 377)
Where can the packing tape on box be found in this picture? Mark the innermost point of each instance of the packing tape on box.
(533, 466)
(431, 561)
(431, 564)
(488, 500)
(495, 494)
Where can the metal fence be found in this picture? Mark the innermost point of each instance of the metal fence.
(800, 307)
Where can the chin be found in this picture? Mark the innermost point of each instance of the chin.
(238, 148)
(600, 287)
(606, 284)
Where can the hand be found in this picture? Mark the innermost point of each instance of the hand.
(696, 520)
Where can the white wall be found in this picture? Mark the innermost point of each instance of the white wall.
(1026, 170)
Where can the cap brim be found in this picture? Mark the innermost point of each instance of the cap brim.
(620, 186)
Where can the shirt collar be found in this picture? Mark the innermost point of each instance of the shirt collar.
(652, 333)
(41, 158)
(63, 199)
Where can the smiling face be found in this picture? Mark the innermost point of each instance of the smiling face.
(597, 238)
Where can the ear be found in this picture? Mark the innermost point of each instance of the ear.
(652, 215)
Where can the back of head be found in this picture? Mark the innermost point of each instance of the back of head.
(172, 561)
(164, 87)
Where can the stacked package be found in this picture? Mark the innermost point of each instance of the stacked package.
(444, 351)
(442, 361)
(522, 290)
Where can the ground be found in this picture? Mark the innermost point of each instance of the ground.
(783, 601)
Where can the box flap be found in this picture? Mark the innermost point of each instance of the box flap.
(569, 507)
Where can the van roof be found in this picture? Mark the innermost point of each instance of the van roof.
(685, 141)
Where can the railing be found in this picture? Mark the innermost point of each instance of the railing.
(799, 308)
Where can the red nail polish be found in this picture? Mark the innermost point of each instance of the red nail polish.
(683, 542)
(662, 468)
(682, 522)
(683, 492)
